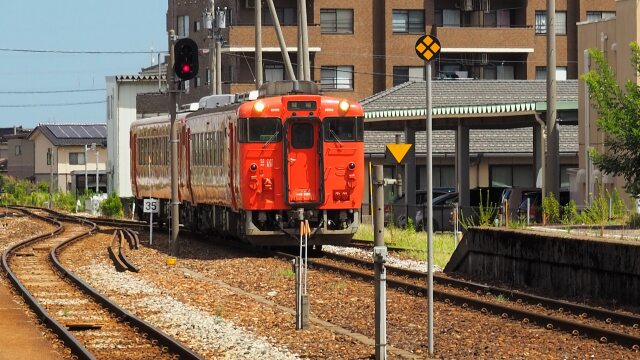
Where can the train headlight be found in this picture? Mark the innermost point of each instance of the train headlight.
(352, 165)
(253, 167)
(258, 106)
(344, 105)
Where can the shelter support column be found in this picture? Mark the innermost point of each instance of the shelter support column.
(462, 165)
(410, 172)
(538, 147)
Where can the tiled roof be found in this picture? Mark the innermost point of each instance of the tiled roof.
(497, 141)
(449, 93)
(74, 134)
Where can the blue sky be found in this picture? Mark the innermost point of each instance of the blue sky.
(72, 25)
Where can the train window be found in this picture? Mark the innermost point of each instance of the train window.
(260, 130)
(343, 129)
(302, 136)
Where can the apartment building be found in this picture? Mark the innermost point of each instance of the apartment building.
(363, 47)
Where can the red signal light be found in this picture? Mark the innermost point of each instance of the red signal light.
(186, 68)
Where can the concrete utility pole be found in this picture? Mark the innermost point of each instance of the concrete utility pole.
(283, 46)
(50, 154)
(97, 169)
(175, 211)
(300, 57)
(258, 20)
(553, 139)
(211, 19)
(302, 10)
(86, 182)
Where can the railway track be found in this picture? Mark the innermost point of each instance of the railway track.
(579, 320)
(92, 326)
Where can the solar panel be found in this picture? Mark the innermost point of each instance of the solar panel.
(78, 131)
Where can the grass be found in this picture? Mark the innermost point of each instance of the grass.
(285, 273)
(414, 241)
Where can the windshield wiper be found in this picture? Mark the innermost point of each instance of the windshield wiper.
(335, 136)
(270, 139)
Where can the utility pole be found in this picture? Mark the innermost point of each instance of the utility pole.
(553, 139)
(302, 10)
(86, 172)
(210, 23)
(50, 157)
(258, 21)
(97, 170)
(175, 215)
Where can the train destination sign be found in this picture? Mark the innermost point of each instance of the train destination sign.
(427, 47)
(399, 151)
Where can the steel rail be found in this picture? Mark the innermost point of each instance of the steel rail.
(549, 322)
(68, 339)
(513, 295)
(171, 343)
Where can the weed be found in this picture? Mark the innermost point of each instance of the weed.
(285, 273)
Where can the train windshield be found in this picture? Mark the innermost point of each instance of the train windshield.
(343, 129)
(260, 130)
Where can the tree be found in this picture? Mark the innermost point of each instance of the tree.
(618, 118)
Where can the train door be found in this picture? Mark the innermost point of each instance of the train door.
(304, 164)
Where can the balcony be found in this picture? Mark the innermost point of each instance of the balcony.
(243, 37)
(489, 39)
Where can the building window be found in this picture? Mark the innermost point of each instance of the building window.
(561, 73)
(336, 77)
(196, 26)
(408, 21)
(600, 15)
(336, 21)
(17, 150)
(561, 22)
(511, 175)
(198, 82)
(273, 72)
(441, 176)
(76, 159)
(447, 17)
(208, 75)
(402, 74)
(286, 17)
(183, 26)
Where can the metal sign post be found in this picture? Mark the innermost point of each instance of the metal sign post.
(302, 297)
(379, 259)
(427, 47)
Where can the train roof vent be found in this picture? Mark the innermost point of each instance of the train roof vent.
(276, 88)
(214, 101)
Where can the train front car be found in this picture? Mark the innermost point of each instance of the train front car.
(300, 157)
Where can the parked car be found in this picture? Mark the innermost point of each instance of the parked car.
(443, 206)
(535, 204)
(396, 210)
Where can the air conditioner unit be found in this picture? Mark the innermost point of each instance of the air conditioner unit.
(250, 4)
(484, 58)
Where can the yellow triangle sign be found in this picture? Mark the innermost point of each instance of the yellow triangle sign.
(399, 150)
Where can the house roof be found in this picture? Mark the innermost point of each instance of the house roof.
(486, 141)
(73, 134)
(468, 97)
(6, 133)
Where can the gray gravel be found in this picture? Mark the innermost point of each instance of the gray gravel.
(408, 264)
(206, 332)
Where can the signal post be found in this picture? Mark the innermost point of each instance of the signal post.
(183, 63)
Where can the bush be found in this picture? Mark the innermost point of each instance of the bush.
(64, 201)
(43, 187)
(570, 214)
(112, 206)
(551, 208)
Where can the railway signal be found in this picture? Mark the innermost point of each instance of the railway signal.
(186, 59)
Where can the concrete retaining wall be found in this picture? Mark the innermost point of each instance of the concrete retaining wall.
(556, 265)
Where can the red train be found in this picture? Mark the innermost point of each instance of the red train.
(252, 169)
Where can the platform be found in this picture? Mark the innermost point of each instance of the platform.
(21, 337)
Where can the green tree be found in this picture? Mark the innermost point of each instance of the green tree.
(618, 118)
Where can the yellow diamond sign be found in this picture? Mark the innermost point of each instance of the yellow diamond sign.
(399, 151)
(427, 47)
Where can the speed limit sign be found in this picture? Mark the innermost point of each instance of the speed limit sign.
(150, 206)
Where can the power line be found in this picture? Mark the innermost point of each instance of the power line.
(87, 52)
(51, 105)
(50, 91)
